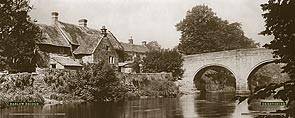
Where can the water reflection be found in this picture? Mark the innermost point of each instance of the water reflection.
(215, 105)
(206, 105)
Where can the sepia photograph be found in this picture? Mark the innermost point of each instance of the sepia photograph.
(147, 59)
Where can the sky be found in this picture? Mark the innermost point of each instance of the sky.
(149, 20)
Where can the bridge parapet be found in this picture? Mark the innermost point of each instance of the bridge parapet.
(230, 53)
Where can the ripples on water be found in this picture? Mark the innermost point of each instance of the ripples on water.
(209, 105)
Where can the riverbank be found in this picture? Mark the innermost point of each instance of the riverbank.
(60, 87)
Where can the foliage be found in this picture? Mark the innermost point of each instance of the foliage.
(266, 74)
(202, 31)
(23, 80)
(284, 91)
(156, 88)
(42, 59)
(153, 45)
(280, 23)
(123, 56)
(136, 64)
(100, 80)
(95, 82)
(17, 36)
(164, 61)
(216, 78)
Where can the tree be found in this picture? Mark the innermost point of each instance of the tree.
(17, 36)
(164, 61)
(280, 22)
(202, 31)
(123, 56)
(98, 82)
(153, 45)
(136, 64)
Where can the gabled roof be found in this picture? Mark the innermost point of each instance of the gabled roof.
(52, 36)
(66, 61)
(134, 48)
(64, 34)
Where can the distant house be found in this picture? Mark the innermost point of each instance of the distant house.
(68, 46)
(133, 51)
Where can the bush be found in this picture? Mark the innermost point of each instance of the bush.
(23, 80)
(158, 88)
(94, 82)
(164, 61)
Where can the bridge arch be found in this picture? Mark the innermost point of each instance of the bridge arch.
(212, 65)
(255, 69)
(258, 66)
(200, 72)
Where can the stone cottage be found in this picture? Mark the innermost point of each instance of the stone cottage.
(67, 46)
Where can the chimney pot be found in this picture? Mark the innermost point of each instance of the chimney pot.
(54, 16)
(83, 22)
(130, 40)
(143, 42)
(104, 31)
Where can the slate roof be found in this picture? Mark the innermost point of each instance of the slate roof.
(64, 34)
(66, 61)
(134, 48)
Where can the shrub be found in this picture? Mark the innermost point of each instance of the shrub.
(23, 80)
(164, 61)
(157, 88)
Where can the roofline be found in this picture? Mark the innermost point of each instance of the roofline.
(66, 65)
(116, 39)
(52, 45)
(97, 45)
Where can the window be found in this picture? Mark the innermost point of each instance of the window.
(53, 65)
(111, 60)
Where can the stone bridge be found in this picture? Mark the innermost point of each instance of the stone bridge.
(241, 63)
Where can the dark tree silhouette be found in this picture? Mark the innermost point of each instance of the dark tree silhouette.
(17, 36)
(202, 31)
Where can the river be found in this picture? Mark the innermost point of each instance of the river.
(209, 105)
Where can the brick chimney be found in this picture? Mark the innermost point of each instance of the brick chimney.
(83, 22)
(54, 16)
(104, 31)
(143, 42)
(130, 40)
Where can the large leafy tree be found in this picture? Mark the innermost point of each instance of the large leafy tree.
(280, 22)
(17, 36)
(202, 31)
(164, 61)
